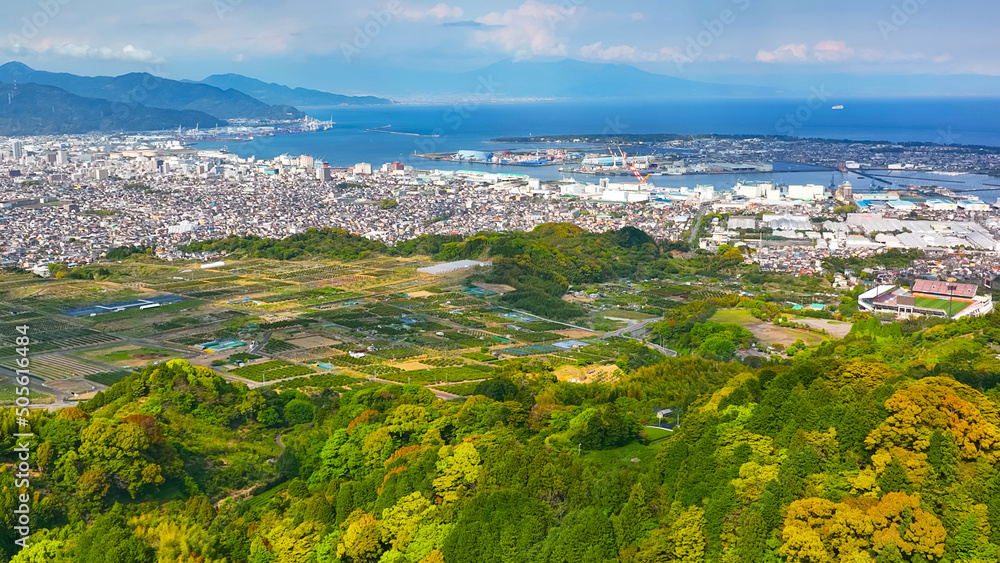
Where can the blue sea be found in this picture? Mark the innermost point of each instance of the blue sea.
(472, 126)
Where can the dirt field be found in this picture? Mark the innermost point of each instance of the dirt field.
(835, 328)
(588, 374)
(575, 333)
(124, 356)
(419, 294)
(767, 332)
(312, 342)
(579, 298)
(412, 366)
(74, 386)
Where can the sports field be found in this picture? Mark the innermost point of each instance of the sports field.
(942, 304)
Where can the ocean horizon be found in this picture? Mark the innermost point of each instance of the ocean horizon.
(473, 126)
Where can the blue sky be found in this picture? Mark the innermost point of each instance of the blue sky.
(322, 44)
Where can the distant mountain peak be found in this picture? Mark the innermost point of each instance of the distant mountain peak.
(16, 65)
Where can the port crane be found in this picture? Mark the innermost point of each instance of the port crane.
(642, 179)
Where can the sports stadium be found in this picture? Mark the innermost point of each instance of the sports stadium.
(927, 298)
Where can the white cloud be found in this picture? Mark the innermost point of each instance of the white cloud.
(529, 30)
(832, 51)
(637, 16)
(785, 53)
(627, 53)
(128, 53)
(839, 51)
(440, 11)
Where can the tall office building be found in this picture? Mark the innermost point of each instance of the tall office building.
(62, 157)
(18, 149)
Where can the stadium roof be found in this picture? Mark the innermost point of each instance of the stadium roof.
(942, 288)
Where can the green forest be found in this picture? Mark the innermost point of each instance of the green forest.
(852, 451)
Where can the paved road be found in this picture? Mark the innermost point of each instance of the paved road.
(444, 395)
(696, 223)
(633, 326)
(53, 406)
(263, 341)
(256, 384)
(665, 351)
(534, 316)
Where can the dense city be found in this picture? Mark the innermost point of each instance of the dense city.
(70, 200)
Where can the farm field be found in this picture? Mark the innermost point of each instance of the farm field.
(271, 371)
(445, 375)
(409, 327)
(588, 374)
(311, 342)
(56, 367)
(8, 395)
(767, 332)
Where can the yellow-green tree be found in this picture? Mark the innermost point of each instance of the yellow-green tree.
(458, 471)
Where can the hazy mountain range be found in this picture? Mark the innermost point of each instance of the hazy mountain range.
(271, 93)
(571, 79)
(567, 79)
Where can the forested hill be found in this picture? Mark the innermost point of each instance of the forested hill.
(818, 459)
